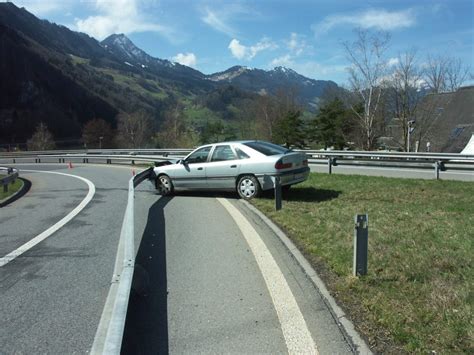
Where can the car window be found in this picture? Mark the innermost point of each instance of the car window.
(267, 148)
(241, 154)
(223, 153)
(199, 156)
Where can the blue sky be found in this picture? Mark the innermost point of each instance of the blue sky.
(303, 35)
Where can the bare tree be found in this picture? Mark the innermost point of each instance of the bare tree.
(42, 139)
(403, 93)
(265, 113)
(445, 74)
(435, 73)
(135, 129)
(173, 132)
(97, 133)
(456, 74)
(367, 72)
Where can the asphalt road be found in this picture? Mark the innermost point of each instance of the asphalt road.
(52, 296)
(205, 282)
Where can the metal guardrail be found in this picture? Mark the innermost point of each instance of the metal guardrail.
(10, 178)
(111, 341)
(435, 161)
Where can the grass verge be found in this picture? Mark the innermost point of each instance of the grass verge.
(418, 295)
(12, 188)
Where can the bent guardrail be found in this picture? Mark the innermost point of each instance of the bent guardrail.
(108, 339)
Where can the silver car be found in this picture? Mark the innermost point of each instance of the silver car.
(245, 166)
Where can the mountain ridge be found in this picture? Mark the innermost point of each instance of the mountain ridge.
(90, 79)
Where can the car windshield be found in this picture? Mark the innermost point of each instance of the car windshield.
(267, 148)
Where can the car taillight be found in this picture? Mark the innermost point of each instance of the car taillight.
(280, 165)
(305, 162)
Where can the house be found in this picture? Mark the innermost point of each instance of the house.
(443, 123)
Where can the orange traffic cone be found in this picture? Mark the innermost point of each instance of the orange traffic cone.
(70, 165)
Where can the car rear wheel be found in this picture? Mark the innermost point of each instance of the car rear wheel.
(248, 187)
(164, 185)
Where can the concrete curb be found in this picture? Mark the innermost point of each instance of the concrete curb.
(21, 191)
(355, 341)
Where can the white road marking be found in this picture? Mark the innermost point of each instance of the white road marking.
(39, 238)
(297, 336)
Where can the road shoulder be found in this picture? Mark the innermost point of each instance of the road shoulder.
(355, 341)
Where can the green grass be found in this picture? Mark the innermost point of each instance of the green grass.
(419, 293)
(132, 83)
(78, 60)
(11, 189)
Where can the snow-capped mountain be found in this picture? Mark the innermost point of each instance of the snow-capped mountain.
(270, 81)
(120, 46)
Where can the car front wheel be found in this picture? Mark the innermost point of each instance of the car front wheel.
(164, 185)
(248, 187)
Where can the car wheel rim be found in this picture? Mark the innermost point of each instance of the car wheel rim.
(247, 188)
(166, 184)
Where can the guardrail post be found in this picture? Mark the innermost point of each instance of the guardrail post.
(277, 193)
(439, 166)
(361, 244)
(133, 162)
(330, 165)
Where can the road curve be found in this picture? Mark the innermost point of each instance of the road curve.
(198, 285)
(53, 295)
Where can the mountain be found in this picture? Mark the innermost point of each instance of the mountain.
(270, 81)
(123, 49)
(64, 78)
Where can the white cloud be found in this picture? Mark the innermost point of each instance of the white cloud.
(188, 59)
(283, 61)
(119, 16)
(238, 51)
(378, 19)
(392, 62)
(296, 44)
(218, 22)
(241, 51)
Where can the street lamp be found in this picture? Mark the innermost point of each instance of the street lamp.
(100, 142)
(410, 131)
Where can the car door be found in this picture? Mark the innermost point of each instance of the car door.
(223, 168)
(193, 172)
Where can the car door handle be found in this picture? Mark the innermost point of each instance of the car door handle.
(199, 168)
(233, 166)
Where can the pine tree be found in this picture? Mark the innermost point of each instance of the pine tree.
(331, 125)
(289, 130)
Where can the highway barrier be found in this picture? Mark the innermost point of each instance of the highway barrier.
(11, 174)
(108, 339)
(402, 160)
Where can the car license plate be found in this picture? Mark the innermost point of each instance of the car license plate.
(298, 176)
